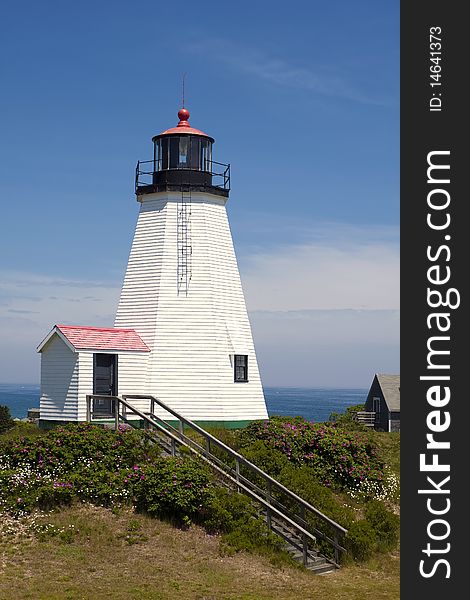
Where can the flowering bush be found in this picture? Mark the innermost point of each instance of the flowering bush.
(90, 464)
(338, 457)
(387, 490)
(172, 487)
(83, 462)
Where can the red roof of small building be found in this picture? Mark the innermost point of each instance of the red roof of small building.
(101, 338)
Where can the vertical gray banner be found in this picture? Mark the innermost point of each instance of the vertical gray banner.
(433, 337)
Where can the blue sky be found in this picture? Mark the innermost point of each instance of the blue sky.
(303, 101)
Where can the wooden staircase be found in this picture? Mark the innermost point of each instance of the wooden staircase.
(298, 523)
(310, 558)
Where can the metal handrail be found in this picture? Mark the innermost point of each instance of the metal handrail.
(271, 504)
(155, 166)
(240, 478)
(239, 459)
(235, 455)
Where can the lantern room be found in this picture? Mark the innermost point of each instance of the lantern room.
(182, 156)
(183, 147)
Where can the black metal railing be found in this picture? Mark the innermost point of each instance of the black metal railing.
(279, 504)
(146, 171)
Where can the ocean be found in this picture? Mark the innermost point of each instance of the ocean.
(314, 404)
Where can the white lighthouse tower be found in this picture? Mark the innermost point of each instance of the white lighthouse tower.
(182, 292)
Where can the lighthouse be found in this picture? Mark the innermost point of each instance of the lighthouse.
(181, 332)
(182, 292)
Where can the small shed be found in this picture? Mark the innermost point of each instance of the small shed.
(77, 361)
(383, 399)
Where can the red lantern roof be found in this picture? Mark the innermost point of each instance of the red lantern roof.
(183, 127)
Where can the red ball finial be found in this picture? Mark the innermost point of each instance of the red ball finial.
(183, 115)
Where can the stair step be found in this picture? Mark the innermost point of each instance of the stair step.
(316, 565)
(322, 570)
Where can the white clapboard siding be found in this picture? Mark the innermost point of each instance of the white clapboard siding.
(192, 337)
(59, 382)
(132, 377)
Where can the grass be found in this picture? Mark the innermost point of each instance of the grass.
(91, 553)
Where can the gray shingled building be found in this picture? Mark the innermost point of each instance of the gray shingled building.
(384, 399)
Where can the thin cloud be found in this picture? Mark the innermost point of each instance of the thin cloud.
(326, 347)
(350, 269)
(53, 299)
(279, 71)
(267, 227)
(326, 328)
(26, 317)
(15, 280)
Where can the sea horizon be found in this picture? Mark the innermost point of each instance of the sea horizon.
(312, 403)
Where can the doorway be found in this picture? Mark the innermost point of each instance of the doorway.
(104, 383)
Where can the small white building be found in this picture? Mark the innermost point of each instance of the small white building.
(191, 344)
(77, 361)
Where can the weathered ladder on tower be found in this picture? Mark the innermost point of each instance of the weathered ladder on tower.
(183, 240)
(302, 526)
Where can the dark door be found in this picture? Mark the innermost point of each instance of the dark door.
(104, 382)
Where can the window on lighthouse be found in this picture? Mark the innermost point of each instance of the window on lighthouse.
(183, 153)
(174, 153)
(194, 157)
(206, 155)
(241, 367)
